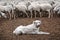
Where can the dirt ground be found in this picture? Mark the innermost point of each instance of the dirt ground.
(48, 25)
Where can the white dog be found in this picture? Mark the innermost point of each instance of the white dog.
(29, 29)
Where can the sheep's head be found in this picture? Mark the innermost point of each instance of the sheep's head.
(37, 22)
(52, 2)
(3, 15)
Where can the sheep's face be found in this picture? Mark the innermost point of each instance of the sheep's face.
(37, 22)
(3, 15)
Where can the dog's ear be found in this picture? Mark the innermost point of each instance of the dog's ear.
(34, 22)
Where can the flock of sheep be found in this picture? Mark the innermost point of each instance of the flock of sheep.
(14, 9)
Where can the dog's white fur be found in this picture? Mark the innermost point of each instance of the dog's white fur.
(29, 29)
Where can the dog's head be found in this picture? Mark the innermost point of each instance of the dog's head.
(37, 22)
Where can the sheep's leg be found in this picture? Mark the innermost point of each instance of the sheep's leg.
(52, 13)
(10, 15)
(35, 13)
(7, 14)
(26, 14)
(49, 14)
(40, 14)
(31, 14)
(13, 15)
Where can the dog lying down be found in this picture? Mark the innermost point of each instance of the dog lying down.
(29, 29)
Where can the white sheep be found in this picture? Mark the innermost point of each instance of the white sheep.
(29, 29)
(37, 6)
(46, 7)
(6, 8)
(22, 7)
(56, 4)
(34, 6)
(57, 9)
(13, 9)
(49, 4)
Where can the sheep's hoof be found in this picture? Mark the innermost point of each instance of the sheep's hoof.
(9, 18)
(40, 16)
(48, 17)
(31, 17)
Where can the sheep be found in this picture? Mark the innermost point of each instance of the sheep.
(54, 7)
(46, 7)
(37, 6)
(34, 6)
(13, 9)
(29, 29)
(57, 9)
(6, 8)
(3, 3)
(22, 7)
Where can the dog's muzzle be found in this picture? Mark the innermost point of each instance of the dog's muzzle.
(38, 26)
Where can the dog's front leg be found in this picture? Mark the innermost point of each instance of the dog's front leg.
(42, 32)
(38, 29)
